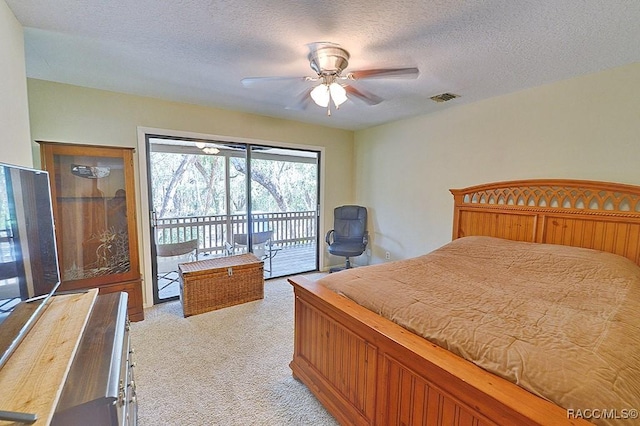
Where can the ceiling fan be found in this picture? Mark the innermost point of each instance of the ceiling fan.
(329, 60)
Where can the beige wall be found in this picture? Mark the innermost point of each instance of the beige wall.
(73, 114)
(14, 110)
(584, 128)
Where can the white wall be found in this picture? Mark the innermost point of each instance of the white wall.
(66, 113)
(584, 128)
(15, 144)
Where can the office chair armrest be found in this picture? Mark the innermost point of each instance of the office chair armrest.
(327, 237)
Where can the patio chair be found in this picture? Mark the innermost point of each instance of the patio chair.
(263, 247)
(170, 256)
(349, 237)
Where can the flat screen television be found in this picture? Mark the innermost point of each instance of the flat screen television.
(29, 272)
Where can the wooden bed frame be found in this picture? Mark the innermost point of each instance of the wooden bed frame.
(366, 369)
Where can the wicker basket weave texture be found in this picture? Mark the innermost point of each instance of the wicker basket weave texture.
(207, 285)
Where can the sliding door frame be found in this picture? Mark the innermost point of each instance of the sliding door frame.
(145, 207)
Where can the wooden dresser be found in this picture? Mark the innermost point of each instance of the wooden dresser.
(99, 389)
(75, 366)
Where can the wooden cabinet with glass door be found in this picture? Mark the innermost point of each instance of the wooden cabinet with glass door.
(92, 189)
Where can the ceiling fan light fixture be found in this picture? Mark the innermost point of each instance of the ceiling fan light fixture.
(338, 94)
(324, 93)
(321, 95)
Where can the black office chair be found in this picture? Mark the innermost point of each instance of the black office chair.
(349, 236)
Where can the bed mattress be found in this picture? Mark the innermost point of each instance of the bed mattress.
(561, 322)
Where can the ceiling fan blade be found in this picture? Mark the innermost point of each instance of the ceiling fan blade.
(363, 95)
(250, 81)
(302, 101)
(386, 73)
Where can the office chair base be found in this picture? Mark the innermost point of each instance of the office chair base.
(347, 265)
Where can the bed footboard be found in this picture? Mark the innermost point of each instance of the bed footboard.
(367, 370)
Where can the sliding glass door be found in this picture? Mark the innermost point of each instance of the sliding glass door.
(211, 198)
(284, 208)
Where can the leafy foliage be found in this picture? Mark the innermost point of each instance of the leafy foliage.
(194, 185)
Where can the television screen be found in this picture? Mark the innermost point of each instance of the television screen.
(28, 258)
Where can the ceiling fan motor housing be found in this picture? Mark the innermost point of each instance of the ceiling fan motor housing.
(328, 59)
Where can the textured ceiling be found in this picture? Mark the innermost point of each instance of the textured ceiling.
(197, 51)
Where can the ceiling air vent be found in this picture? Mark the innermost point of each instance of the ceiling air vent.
(444, 97)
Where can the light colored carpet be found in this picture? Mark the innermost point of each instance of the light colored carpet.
(226, 367)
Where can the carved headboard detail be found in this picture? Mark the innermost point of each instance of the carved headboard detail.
(599, 215)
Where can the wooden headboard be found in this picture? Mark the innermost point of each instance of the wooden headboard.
(599, 215)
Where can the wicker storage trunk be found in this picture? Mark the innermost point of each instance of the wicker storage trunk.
(207, 285)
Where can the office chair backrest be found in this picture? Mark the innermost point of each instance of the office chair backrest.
(349, 223)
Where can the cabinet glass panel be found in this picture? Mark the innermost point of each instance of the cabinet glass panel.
(92, 202)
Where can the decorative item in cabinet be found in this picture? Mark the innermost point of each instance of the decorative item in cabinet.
(93, 195)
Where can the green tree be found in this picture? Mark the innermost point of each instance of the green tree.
(192, 185)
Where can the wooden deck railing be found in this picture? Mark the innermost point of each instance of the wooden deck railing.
(212, 232)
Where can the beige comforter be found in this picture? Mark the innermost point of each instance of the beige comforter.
(562, 322)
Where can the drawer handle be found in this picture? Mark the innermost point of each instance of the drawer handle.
(121, 395)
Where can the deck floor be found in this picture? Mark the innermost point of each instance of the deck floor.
(286, 261)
